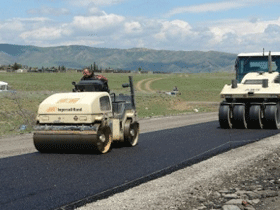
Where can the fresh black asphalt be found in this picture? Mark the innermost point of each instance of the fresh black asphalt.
(51, 181)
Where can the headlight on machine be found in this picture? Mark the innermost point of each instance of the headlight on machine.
(226, 96)
(44, 118)
(83, 118)
(274, 96)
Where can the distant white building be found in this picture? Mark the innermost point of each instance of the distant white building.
(21, 71)
(3, 86)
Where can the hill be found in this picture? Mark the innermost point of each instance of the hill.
(75, 56)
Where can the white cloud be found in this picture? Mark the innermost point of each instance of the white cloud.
(97, 28)
(244, 35)
(96, 2)
(217, 6)
(49, 11)
(133, 27)
(35, 19)
(44, 33)
(175, 28)
(97, 22)
(12, 25)
(96, 11)
(272, 29)
(210, 7)
(82, 41)
(241, 28)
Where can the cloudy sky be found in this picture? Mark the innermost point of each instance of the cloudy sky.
(221, 25)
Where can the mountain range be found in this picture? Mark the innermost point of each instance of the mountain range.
(76, 56)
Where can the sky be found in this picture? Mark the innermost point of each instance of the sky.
(182, 25)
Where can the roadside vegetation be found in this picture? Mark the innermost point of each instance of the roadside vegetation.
(198, 93)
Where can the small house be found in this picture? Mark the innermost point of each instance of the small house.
(3, 86)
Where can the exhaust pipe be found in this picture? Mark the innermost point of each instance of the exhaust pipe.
(269, 62)
(265, 83)
(131, 91)
(234, 83)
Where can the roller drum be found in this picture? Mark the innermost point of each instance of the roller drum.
(65, 143)
(131, 133)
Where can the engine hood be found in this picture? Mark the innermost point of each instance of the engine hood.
(75, 103)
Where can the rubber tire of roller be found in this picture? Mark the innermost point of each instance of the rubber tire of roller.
(225, 116)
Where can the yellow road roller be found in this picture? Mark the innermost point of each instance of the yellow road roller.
(87, 119)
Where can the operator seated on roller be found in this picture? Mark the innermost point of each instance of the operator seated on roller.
(90, 75)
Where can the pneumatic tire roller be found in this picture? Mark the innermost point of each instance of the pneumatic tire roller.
(254, 103)
(253, 98)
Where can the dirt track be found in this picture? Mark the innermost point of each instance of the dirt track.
(147, 83)
(139, 84)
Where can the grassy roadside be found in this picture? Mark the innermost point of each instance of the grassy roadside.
(197, 93)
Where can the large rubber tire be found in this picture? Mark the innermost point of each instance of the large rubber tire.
(255, 117)
(131, 133)
(105, 134)
(239, 117)
(272, 117)
(225, 114)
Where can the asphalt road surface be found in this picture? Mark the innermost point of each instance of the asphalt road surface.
(50, 181)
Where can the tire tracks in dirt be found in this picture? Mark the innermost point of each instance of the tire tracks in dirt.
(138, 85)
(147, 83)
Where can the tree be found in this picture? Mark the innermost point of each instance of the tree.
(95, 68)
(16, 66)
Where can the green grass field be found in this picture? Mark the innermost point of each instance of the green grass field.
(197, 90)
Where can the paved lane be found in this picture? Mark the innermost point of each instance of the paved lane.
(49, 181)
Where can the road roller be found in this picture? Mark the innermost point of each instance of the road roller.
(252, 100)
(87, 119)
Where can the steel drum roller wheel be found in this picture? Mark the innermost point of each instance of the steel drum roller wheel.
(272, 117)
(225, 116)
(131, 133)
(105, 139)
(40, 145)
(255, 117)
(239, 117)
